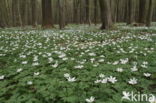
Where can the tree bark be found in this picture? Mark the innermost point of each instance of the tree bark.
(106, 17)
(17, 21)
(61, 4)
(150, 12)
(47, 14)
(130, 12)
(34, 11)
(142, 11)
(95, 11)
(88, 11)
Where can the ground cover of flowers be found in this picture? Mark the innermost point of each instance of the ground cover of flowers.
(76, 65)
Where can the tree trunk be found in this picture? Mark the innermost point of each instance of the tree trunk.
(150, 12)
(106, 17)
(16, 13)
(95, 11)
(76, 4)
(61, 4)
(130, 12)
(34, 11)
(46, 14)
(88, 11)
(142, 11)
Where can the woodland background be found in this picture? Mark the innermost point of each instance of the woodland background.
(19, 13)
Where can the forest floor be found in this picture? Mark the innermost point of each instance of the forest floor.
(80, 64)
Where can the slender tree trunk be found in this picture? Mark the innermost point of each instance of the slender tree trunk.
(16, 13)
(76, 4)
(150, 12)
(34, 11)
(88, 12)
(117, 11)
(95, 11)
(61, 13)
(130, 12)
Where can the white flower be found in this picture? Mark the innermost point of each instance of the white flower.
(104, 80)
(124, 61)
(50, 60)
(101, 75)
(144, 66)
(145, 63)
(72, 58)
(92, 60)
(62, 55)
(29, 82)
(95, 65)
(119, 70)
(36, 73)
(65, 58)
(101, 60)
(133, 81)
(102, 56)
(90, 100)
(108, 62)
(2, 77)
(92, 54)
(134, 69)
(112, 79)
(19, 70)
(97, 81)
(71, 79)
(66, 75)
(35, 58)
(152, 99)
(147, 74)
(78, 67)
(116, 62)
(126, 95)
(35, 64)
(22, 56)
(24, 62)
(55, 65)
(82, 62)
(49, 54)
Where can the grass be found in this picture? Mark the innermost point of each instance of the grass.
(72, 65)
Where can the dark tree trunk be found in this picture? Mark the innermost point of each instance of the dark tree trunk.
(142, 11)
(88, 12)
(61, 4)
(130, 12)
(76, 4)
(106, 17)
(95, 11)
(16, 13)
(46, 14)
(34, 11)
(150, 12)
